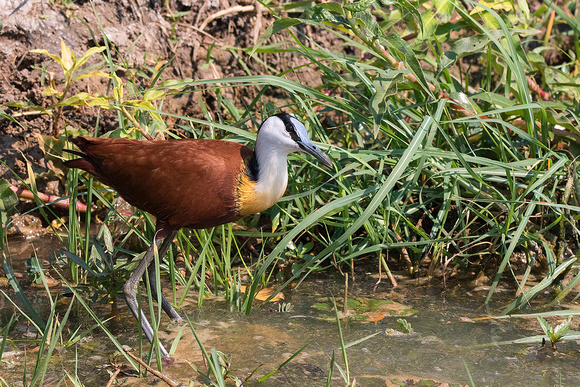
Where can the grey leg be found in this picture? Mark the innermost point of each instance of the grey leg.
(130, 287)
(164, 303)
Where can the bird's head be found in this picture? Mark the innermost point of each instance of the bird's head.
(284, 133)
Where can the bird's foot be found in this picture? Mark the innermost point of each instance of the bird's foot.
(168, 360)
(177, 320)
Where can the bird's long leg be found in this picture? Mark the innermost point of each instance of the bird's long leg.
(130, 287)
(164, 303)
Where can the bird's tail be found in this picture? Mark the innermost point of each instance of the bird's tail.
(82, 163)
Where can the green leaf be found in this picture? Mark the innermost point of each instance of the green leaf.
(45, 52)
(175, 84)
(9, 117)
(297, 6)
(562, 329)
(409, 58)
(8, 199)
(444, 7)
(491, 22)
(408, 11)
(469, 45)
(382, 191)
(545, 326)
(67, 57)
(87, 99)
(526, 296)
(358, 6)
(81, 262)
(333, 7)
(97, 73)
(87, 54)
(33, 316)
(108, 238)
(524, 8)
(153, 94)
(385, 85)
(118, 89)
(265, 377)
(405, 326)
(153, 112)
(372, 28)
(462, 47)
(274, 28)
(430, 23)
(318, 14)
(50, 91)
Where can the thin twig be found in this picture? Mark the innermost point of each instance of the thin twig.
(58, 109)
(388, 270)
(32, 113)
(113, 377)
(258, 24)
(153, 371)
(136, 124)
(405, 253)
(208, 35)
(345, 301)
(222, 13)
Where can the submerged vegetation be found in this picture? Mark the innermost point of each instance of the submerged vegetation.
(453, 127)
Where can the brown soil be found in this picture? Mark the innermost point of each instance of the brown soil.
(144, 34)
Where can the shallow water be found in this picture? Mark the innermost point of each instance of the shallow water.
(449, 342)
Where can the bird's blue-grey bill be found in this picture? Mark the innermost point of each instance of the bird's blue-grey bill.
(316, 152)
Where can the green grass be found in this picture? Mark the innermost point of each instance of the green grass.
(433, 169)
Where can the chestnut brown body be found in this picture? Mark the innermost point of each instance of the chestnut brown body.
(183, 183)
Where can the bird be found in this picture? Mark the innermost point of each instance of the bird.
(193, 183)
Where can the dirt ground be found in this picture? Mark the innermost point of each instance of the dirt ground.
(144, 34)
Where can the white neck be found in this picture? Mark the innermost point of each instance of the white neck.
(273, 172)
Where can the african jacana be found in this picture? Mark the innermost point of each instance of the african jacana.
(193, 183)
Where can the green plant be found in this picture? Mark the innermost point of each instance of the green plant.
(285, 307)
(8, 201)
(557, 333)
(405, 326)
(484, 165)
(346, 373)
(269, 374)
(72, 72)
(217, 362)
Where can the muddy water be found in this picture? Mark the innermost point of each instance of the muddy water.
(449, 344)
